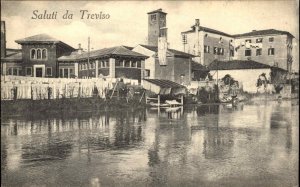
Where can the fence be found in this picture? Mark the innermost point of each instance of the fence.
(19, 87)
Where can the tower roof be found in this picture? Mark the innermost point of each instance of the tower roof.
(157, 11)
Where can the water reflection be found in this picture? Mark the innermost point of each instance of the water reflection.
(195, 145)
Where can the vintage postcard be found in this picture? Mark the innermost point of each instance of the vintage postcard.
(150, 93)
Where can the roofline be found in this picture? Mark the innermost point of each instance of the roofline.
(102, 56)
(203, 29)
(256, 35)
(187, 55)
(44, 42)
(238, 35)
(156, 11)
(266, 66)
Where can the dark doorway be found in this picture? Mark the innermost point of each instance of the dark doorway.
(38, 72)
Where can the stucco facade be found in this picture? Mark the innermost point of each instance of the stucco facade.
(281, 44)
(271, 47)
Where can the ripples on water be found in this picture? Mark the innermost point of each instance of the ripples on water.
(210, 145)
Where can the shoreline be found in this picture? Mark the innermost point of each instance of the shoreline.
(69, 105)
(82, 105)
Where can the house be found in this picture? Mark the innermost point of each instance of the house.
(247, 72)
(37, 58)
(271, 47)
(207, 44)
(113, 62)
(178, 67)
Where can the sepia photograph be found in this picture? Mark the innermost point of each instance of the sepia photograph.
(150, 93)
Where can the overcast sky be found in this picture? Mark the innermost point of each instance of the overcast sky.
(127, 24)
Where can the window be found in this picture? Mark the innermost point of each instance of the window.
(92, 65)
(271, 51)
(138, 63)
(133, 64)
(248, 41)
(220, 51)
(9, 71)
(215, 50)
(259, 40)
(206, 49)
(49, 71)
(271, 39)
(147, 73)
(107, 64)
(102, 64)
(118, 63)
(14, 71)
(248, 52)
(29, 71)
(127, 63)
(258, 52)
(153, 17)
(33, 54)
(44, 54)
(71, 72)
(66, 73)
(38, 54)
(61, 72)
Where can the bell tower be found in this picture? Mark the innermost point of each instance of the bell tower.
(156, 26)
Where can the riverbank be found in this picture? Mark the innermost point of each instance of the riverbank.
(69, 105)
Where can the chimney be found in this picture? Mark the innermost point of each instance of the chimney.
(3, 39)
(253, 30)
(79, 49)
(197, 22)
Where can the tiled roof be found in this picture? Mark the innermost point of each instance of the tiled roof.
(38, 38)
(112, 51)
(41, 38)
(236, 64)
(70, 56)
(127, 47)
(199, 67)
(10, 51)
(164, 83)
(173, 51)
(263, 32)
(253, 33)
(206, 29)
(158, 10)
(12, 57)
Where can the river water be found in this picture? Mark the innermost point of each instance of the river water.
(255, 144)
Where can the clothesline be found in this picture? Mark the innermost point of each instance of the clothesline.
(16, 87)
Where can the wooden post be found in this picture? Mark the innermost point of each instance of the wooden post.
(158, 100)
(142, 97)
(181, 99)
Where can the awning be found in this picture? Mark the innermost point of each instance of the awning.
(163, 87)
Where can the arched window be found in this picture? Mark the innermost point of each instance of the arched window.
(39, 54)
(44, 54)
(33, 54)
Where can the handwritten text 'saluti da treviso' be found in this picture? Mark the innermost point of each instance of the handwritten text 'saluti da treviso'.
(84, 14)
